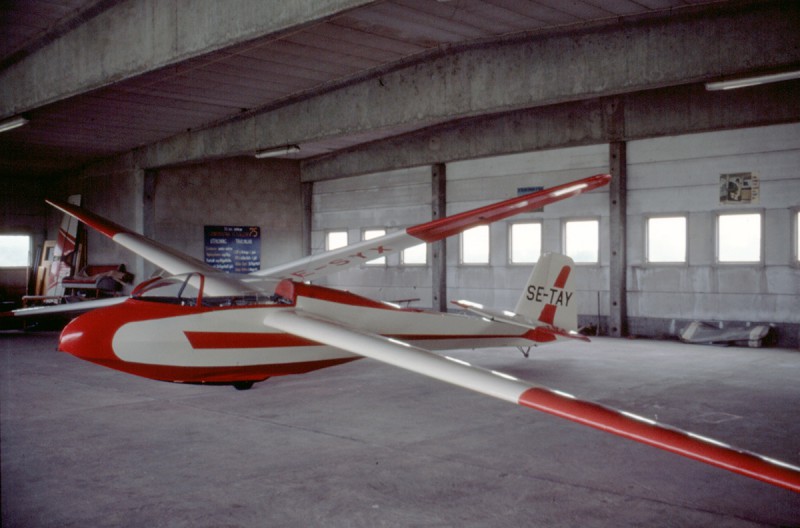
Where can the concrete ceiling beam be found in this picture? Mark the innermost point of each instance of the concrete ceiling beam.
(134, 37)
(662, 112)
(512, 75)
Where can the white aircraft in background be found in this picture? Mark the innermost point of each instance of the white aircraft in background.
(201, 326)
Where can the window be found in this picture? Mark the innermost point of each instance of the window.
(666, 239)
(582, 240)
(416, 255)
(475, 245)
(335, 240)
(369, 234)
(15, 251)
(739, 237)
(525, 242)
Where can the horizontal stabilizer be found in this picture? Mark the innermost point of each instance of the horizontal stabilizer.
(505, 316)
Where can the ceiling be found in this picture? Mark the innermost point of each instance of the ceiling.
(258, 75)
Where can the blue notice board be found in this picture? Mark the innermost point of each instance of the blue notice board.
(233, 249)
(521, 191)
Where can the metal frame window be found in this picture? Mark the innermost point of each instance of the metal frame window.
(524, 242)
(335, 239)
(740, 237)
(475, 246)
(582, 240)
(15, 251)
(666, 239)
(415, 255)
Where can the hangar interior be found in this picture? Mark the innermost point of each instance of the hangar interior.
(322, 118)
(156, 125)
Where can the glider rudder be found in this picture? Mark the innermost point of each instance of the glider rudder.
(549, 296)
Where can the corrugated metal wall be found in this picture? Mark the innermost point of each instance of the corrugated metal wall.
(681, 175)
(665, 175)
(391, 200)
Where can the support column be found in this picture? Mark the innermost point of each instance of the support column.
(439, 249)
(308, 215)
(618, 291)
(144, 269)
(148, 203)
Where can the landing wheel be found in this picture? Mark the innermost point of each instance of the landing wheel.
(243, 385)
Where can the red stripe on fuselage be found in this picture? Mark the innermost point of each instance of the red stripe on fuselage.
(242, 340)
(201, 340)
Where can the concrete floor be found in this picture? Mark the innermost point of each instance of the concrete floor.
(365, 444)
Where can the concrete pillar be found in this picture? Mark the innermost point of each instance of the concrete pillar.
(618, 292)
(148, 219)
(439, 249)
(308, 215)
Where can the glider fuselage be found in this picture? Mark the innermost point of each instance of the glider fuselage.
(179, 339)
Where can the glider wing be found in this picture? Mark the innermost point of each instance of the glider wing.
(166, 258)
(319, 265)
(511, 389)
(14, 318)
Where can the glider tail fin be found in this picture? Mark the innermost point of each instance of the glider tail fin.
(549, 296)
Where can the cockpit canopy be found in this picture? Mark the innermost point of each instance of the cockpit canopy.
(203, 289)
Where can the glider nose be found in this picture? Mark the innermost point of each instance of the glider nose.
(72, 340)
(85, 339)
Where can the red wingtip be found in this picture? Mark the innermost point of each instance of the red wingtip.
(661, 436)
(445, 227)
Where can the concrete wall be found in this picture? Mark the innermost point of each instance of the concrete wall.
(238, 191)
(179, 201)
(112, 190)
(23, 212)
(14, 284)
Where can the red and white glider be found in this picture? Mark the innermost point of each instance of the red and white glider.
(200, 326)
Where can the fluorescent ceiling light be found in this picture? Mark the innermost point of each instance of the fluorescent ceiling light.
(753, 81)
(14, 122)
(277, 152)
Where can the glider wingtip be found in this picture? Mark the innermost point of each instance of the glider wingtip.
(98, 223)
(600, 179)
(58, 204)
